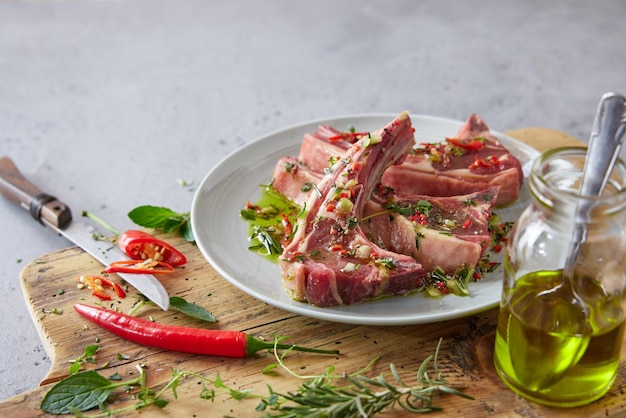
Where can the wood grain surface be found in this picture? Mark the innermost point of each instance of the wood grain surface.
(465, 357)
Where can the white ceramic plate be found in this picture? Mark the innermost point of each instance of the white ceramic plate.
(221, 234)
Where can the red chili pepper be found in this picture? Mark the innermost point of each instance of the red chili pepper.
(468, 144)
(297, 255)
(420, 218)
(98, 285)
(348, 136)
(490, 161)
(140, 245)
(139, 267)
(183, 339)
(441, 287)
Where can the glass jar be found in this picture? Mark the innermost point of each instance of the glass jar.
(558, 342)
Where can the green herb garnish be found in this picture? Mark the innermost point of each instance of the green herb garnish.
(86, 357)
(157, 217)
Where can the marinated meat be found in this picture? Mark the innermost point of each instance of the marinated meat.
(473, 160)
(331, 261)
(448, 233)
(439, 232)
(294, 180)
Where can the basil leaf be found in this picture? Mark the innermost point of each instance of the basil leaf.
(191, 309)
(158, 217)
(81, 391)
(152, 216)
(186, 232)
(172, 224)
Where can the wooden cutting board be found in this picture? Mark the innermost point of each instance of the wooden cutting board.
(465, 357)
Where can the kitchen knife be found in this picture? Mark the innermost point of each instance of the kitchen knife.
(54, 214)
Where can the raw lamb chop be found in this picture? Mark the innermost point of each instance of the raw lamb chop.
(473, 160)
(439, 232)
(448, 233)
(330, 261)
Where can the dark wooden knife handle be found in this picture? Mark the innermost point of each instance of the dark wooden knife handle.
(40, 205)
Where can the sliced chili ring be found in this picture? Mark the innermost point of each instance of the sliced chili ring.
(140, 245)
(98, 285)
(139, 267)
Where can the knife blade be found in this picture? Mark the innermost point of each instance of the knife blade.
(57, 216)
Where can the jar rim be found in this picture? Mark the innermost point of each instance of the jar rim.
(540, 171)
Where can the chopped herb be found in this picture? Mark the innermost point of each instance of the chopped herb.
(56, 311)
(272, 221)
(184, 183)
(266, 239)
(418, 236)
(386, 262)
(87, 356)
(352, 222)
(290, 167)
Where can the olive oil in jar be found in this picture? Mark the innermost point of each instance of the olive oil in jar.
(545, 353)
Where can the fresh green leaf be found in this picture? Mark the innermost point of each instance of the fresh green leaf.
(158, 217)
(171, 224)
(186, 231)
(269, 368)
(74, 368)
(191, 309)
(82, 391)
(161, 403)
(87, 356)
(181, 305)
(152, 216)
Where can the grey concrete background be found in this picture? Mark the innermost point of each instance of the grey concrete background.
(107, 103)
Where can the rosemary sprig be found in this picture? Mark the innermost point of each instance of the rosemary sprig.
(361, 396)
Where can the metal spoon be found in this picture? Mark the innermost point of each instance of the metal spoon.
(604, 147)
